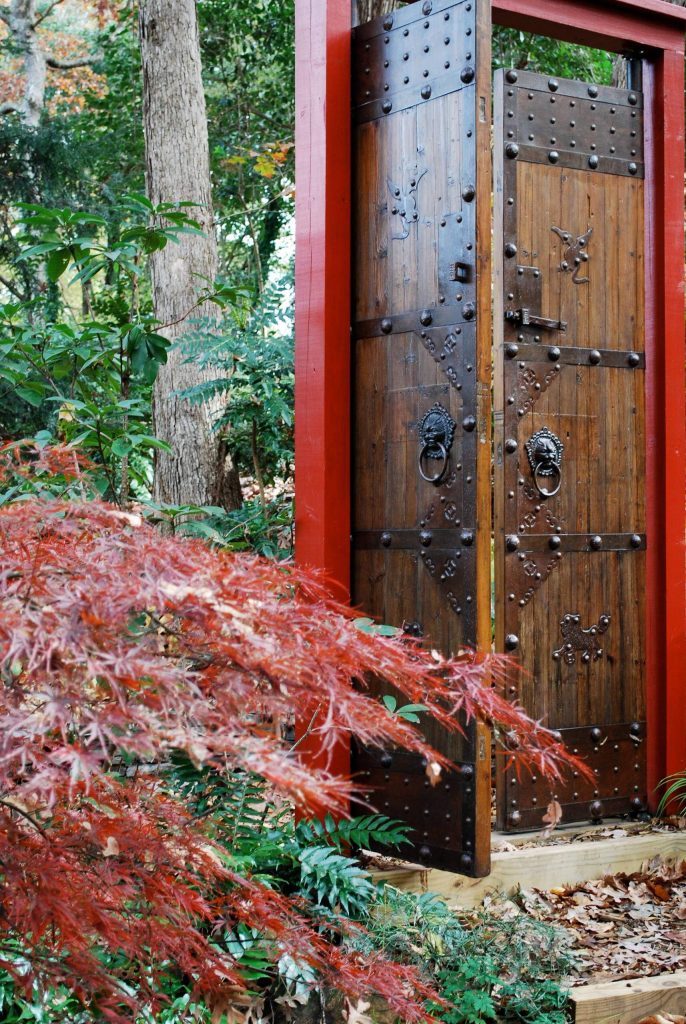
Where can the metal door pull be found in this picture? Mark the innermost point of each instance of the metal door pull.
(525, 318)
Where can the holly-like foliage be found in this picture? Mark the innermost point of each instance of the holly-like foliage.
(123, 651)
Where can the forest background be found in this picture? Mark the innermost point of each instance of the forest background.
(146, 359)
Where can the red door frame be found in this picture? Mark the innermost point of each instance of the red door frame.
(322, 403)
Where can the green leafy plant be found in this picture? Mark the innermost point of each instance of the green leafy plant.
(674, 796)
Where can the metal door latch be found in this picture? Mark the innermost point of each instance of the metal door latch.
(525, 318)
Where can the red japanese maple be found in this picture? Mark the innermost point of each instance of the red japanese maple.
(114, 638)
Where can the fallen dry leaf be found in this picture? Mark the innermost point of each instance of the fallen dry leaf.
(433, 773)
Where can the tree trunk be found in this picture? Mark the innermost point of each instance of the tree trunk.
(365, 10)
(199, 469)
(22, 26)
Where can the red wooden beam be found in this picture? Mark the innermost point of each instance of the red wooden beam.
(322, 314)
(614, 25)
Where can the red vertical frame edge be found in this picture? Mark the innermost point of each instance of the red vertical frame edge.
(323, 256)
(322, 305)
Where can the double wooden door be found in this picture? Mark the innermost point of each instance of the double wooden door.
(567, 464)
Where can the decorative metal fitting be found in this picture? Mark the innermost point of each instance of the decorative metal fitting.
(596, 542)
(414, 629)
(467, 538)
(553, 84)
(576, 639)
(553, 156)
(511, 642)
(386, 760)
(386, 326)
(510, 445)
(427, 7)
(511, 350)
(545, 451)
(468, 193)
(511, 76)
(633, 359)
(469, 311)
(554, 353)
(436, 433)
(596, 809)
(593, 91)
(387, 106)
(469, 423)
(510, 250)
(425, 538)
(512, 542)
(593, 161)
(554, 543)
(512, 150)
(386, 539)
(594, 356)
(467, 75)
(426, 317)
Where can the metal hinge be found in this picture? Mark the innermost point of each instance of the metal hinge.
(525, 318)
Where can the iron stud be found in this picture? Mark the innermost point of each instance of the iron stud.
(594, 356)
(511, 642)
(553, 156)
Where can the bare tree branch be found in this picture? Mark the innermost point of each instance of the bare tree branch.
(14, 288)
(73, 62)
(47, 12)
(9, 108)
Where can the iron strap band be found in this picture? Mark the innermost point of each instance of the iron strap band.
(417, 320)
(440, 539)
(579, 161)
(392, 103)
(403, 18)
(539, 352)
(569, 87)
(563, 542)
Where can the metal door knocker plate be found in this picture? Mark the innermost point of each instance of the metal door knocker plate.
(436, 433)
(545, 451)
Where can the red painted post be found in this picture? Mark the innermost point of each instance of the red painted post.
(322, 319)
(666, 408)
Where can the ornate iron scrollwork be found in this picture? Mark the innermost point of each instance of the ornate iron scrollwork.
(575, 254)
(578, 639)
(436, 433)
(406, 202)
(545, 451)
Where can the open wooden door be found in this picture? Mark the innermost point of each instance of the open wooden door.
(570, 438)
(421, 382)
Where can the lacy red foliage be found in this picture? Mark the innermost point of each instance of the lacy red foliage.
(115, 638)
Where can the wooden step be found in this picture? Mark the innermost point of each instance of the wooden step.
(629, 1002)
(542, 867)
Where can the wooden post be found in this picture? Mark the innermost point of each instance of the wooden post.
(322, 317)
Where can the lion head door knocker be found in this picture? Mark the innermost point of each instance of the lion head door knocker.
(545, 451)
(436, 433)
(575, 254)
(405, 202)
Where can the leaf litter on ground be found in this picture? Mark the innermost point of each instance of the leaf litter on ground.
(621, 926)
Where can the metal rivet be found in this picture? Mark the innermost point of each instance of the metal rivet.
(635, 728)
(511, 445)
(426, 317)
(633, 359)
(386, 539)
(468, 192)
(469, 423)
(594, 356)
(633, 99)
(553, 84)
(596, 810)
(467, 74)
(386, 326)
(424, 852)
(554, 353)
(467, 538)
(510, 250)
(428, 7)
(636, 540)
(512, 542)
(511, 350)
(633, 168)
(388, 22)
(596, 542)
(426, 92)
(512, 150)
(593, 161)
(511, 76)
(387, 106)
(554, 543)
(553, 156)
(593, 91)
(511, 642)
(469, 311)
(425, 538)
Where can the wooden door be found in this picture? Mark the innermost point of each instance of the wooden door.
(570, 431)
(421, 358)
